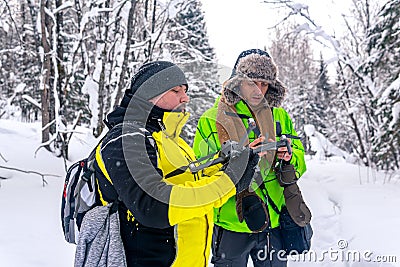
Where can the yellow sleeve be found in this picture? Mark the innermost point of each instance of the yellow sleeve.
(197, 198)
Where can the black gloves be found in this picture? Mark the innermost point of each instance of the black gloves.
(241, 168)
(252, 209)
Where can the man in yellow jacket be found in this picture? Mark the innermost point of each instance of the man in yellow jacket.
(166, 211)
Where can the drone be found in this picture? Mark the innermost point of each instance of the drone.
(232, 149)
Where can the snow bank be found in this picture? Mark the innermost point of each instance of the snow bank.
(354, 208)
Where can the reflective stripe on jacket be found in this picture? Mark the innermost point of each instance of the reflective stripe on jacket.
(137, 159)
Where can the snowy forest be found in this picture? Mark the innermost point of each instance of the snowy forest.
(67, 63)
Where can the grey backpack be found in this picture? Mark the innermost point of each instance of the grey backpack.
(79, 196)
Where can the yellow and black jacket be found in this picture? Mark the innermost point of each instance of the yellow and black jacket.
(164, 222)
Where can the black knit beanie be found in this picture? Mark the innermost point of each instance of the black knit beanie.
(155, 78)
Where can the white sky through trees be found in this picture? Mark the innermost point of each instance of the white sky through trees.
(234, 26)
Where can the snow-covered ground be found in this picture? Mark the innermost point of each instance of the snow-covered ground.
(355, 210)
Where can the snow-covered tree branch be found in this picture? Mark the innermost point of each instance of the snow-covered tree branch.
(367, 65)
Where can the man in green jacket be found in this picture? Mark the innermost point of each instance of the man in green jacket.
(252, 92)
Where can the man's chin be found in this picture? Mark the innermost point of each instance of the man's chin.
(255, 102)
(180, 108)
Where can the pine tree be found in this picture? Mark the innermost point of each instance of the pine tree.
(323, 92)
(383, 67)
(188, 46)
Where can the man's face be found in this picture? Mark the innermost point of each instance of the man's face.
(253, 91)
(174, 99)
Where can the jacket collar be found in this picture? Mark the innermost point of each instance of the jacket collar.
(173, 123)
(152, 117)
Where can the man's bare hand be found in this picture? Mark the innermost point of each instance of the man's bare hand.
(257, 142)
(283, 152)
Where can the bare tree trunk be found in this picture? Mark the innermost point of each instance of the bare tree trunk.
(362, 153)
(46, 70)
(153, 26)
(129, 34)
(104, 58)
(146, 11)
(79, 14)
(60, 89)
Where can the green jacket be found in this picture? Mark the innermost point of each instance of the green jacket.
(206, 141)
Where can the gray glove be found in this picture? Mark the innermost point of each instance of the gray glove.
(241, 168)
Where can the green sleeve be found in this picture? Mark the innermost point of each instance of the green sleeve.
(206, 138)
(297, 160)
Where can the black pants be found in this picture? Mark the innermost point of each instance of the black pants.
(232, 249)
(147, 247)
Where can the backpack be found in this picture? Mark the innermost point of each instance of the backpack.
(79, 193)
(79, 196)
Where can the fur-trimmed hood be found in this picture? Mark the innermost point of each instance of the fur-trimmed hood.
(254, 64)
